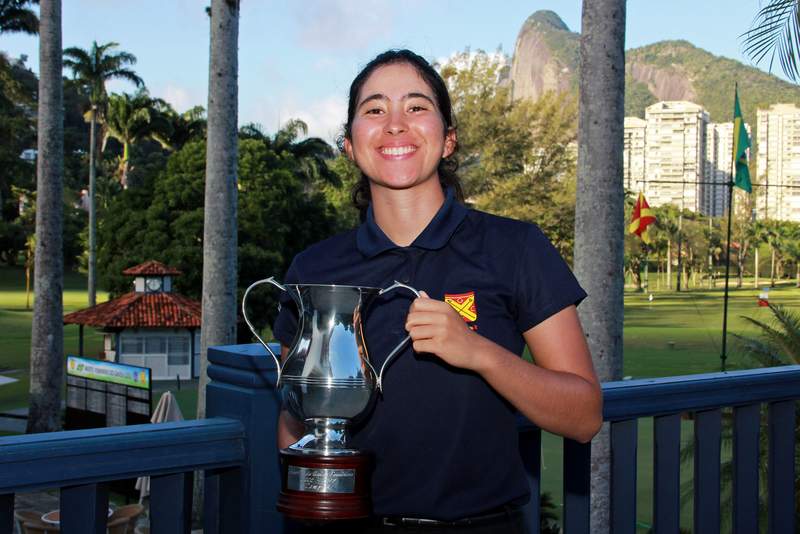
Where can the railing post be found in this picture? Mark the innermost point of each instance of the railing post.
(577, 473)
(171, 503)
(84, 509)
(530, 449)
(6, 513)
(242, 386)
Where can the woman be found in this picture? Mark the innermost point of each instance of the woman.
(444, 431)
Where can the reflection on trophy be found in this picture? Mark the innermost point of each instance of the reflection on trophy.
(328, 382)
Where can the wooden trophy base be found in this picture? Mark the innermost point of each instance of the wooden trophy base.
(321, 488)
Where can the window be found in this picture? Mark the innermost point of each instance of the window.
(155, 345)
(132, 345)
(178, 351)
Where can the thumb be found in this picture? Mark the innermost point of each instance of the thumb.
(423, 295)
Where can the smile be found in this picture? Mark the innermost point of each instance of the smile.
(398, 150)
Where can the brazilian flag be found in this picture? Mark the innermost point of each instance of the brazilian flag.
(741, 142)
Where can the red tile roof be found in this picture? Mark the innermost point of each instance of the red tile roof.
(135, 310)
(151, 267)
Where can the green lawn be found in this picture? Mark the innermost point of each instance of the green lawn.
(675, 334)
(15, 330)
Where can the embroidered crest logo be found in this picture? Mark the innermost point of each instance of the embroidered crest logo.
(464, 304)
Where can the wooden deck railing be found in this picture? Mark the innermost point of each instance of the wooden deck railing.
(235, 449)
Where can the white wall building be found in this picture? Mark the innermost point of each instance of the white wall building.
(778, 163)
(675, 153)
(633, 153)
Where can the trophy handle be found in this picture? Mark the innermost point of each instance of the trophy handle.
(402, 344)
(275, 357)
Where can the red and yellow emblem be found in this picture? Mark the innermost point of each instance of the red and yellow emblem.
(464, 304)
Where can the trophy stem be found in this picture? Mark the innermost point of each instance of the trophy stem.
(324, 435)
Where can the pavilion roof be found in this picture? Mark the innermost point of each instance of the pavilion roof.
(151, 267)
(136, 310)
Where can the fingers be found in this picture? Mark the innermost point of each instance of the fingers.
(417, 318)
(424, 332)
(428, 304)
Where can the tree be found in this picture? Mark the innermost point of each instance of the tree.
(93, 68)
(517, 157)
(17, 16)
(310, 154)
(776, 32)
(47, 332)
(130, 118)
(599, 211)
(183, 127)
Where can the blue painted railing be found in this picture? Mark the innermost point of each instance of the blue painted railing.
(235, 449)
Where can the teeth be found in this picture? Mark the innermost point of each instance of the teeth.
(398, 150)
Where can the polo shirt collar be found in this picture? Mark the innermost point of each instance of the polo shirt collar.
(371, 240)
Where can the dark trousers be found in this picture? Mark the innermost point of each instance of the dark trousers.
(512, 523)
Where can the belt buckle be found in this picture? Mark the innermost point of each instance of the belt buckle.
(410, 522)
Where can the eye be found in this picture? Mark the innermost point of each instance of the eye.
(416, 108)
(373, 111)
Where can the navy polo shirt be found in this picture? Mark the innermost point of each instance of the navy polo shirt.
(445, 443)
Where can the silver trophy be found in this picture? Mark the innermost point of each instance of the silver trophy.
(328, 382)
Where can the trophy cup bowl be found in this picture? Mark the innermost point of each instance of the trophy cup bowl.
(328, 382)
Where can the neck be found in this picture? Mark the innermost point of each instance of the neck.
(403, 214)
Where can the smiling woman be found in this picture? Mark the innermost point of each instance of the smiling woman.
(443, 433)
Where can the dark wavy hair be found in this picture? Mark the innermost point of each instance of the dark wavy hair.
(447, 166)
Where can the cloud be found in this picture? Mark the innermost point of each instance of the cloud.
(342, 24)
(181, 98)
(324, 116)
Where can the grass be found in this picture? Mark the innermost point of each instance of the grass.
(675, 334)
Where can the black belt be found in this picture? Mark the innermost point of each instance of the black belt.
(489, 518)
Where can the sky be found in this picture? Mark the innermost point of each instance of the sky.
(297, 58)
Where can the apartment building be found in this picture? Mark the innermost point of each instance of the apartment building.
(675, 152)
(677, 156)
(633, 153)
(778, 163)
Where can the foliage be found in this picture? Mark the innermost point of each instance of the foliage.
(340, 197)
(278, 217)
(517, 157)
(776, 32)
(711, 78)
(94, 67)
(17, 16)
(131, 118)
(637, 97)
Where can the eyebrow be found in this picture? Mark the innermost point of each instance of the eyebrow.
(380, 96)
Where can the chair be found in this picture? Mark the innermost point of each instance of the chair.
(118, 525)
(131, 512)
(20, 516)
(39, 527)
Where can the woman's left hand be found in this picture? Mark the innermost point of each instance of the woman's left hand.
(435, 327)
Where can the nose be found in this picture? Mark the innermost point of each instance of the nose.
(396, 123)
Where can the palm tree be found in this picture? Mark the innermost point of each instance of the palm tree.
(599, 211)
(92, 69)
(47, 332)
(17, 16)
(220, 228)
(776, 32)
(311, 154)
(183, 127)
(130, 118)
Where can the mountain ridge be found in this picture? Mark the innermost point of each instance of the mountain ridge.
(546, 58)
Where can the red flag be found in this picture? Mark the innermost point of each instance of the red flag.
(641, 219)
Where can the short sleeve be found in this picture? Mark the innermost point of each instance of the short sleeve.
(285, 326)
(544, 282)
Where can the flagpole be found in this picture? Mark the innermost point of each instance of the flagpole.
(724, 354)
